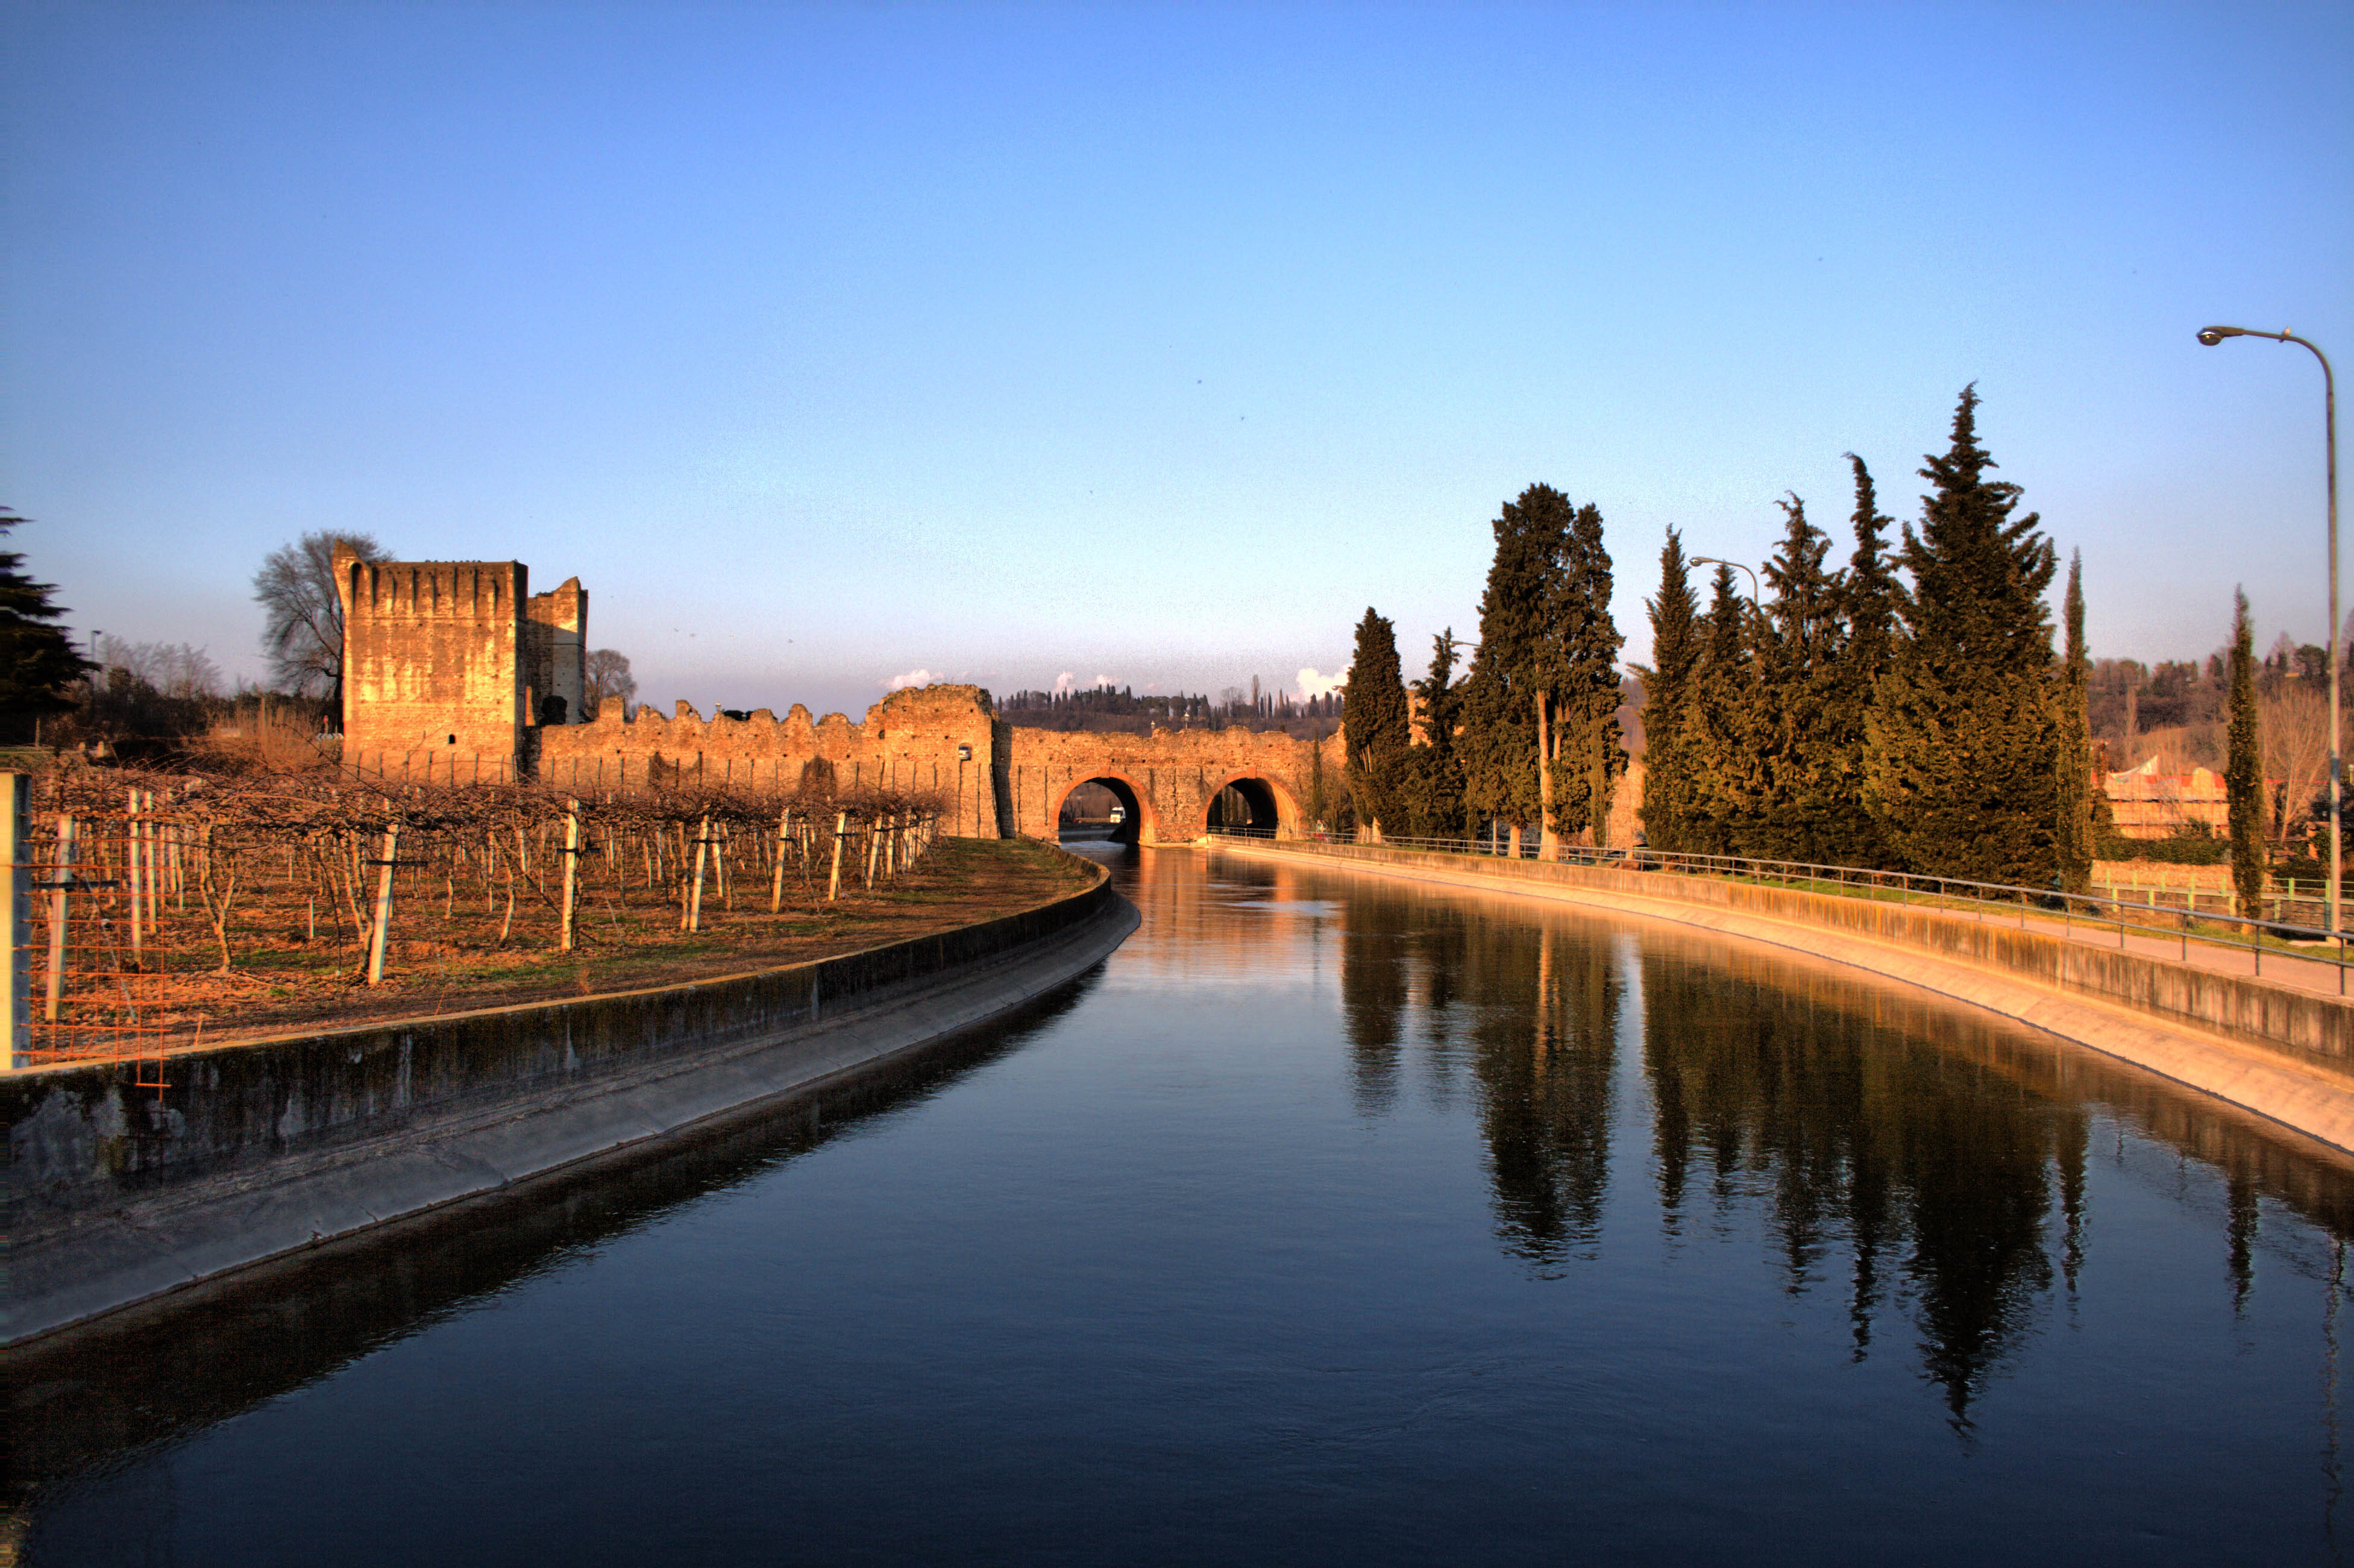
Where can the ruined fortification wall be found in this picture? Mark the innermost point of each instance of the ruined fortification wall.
(431, 663)
(936, 739)
(555, 653)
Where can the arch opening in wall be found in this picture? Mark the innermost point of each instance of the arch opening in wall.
(1245, 805)
(1099, 810)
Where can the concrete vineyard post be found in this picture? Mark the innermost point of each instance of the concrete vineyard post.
(16, 919)
(777, 891)
(571, 865)
(694, 899)
(131, 869)
(383, 904)
(61, 879)
(841, 825)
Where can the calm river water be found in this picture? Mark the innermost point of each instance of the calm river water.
(1329, 1222)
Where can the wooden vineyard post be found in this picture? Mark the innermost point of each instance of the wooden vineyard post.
(15, 922)
(571, 865)
(383, 904)
(61, 880)
(873, 843)
(833, 888)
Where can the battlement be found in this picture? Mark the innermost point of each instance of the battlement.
(420, 589)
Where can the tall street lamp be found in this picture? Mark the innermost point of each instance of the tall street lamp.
(2210, 336)
(1756, 595)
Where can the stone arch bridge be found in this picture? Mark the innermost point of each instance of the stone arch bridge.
(1168, 782)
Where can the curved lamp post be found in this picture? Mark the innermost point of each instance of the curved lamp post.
(1757, 594)
(2210, 336)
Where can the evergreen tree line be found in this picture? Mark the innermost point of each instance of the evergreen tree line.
(1907, 711)
(1075, 708)
(1529, 737)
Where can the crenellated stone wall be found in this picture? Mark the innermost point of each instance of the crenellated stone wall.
(936, 739)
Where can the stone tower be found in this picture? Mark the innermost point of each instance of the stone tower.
(452, 666)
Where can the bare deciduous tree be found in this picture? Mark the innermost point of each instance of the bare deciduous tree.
(303, 634)
(171, 669)
(2294, 719)
(608, 675)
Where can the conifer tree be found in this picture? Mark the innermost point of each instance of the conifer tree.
(2244, 774)
(36, 659)
(1373, 719)
(2077, 826)
(1434, 769)
(1587, 756)
(1801, 642)
(1965, 736)
(1868, 611)
(1720, 728)
(1504, 748)
(1671, 687)
(1319, 796)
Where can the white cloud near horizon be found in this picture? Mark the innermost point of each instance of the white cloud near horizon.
(1313, 684)
(913, 678)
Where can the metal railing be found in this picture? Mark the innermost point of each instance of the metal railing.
(2048, 905)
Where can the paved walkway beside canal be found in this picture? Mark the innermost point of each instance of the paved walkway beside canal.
(2323, 976)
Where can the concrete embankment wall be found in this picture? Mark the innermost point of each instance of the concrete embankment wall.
(2286, 1054)
(117, 1191)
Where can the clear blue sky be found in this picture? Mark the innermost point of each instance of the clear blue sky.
(830, 342)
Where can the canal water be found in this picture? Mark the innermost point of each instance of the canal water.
(1328, 1222)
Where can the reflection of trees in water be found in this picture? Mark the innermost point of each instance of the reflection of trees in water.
(1543, 1059)
(1373, 998)
(1538, 1009)
(1939, 1176)
(1940, 1165)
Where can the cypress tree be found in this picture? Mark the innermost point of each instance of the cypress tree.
(1586, 754)
(2244, 774)
(2077, 826)
(1800, 647)
(1320, 800)
(1373, 718)
(1868, 593)
(35, 659)
(1962, 765)
(1503, 749)
(1670, 690)
(1434, 771)
(1720, 728)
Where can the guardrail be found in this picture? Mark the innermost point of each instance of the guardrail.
(2092, 909)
